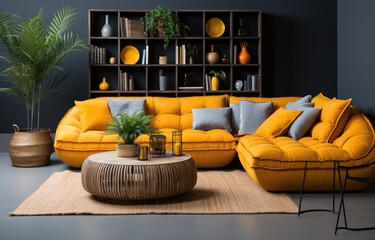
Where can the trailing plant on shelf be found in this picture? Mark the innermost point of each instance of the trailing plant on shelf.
(128, 128)
(165, 22)
(34, 57)
(215, 79)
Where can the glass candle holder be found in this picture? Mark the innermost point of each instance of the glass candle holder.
(176, 143)
(142, 153)
(157, 145)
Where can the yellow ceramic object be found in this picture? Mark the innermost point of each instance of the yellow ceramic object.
(214, 84)
(215, 27)
(129, 55)
(104, 86)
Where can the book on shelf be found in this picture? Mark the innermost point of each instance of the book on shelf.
(144, 56)
(177, 54)
(183, 52)
(135, 28)
(98, 55)
(131, 28)
(235, 54)
(208, 82)
(147, 50)
(191, 88)
(124, 81)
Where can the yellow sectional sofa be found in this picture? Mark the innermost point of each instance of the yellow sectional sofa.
(275, 163)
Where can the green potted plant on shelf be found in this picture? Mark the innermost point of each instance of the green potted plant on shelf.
(33, 68)
(128, 128)
(216, 75)
(192, 51)
(165, 23)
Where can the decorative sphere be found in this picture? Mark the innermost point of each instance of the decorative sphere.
(112, 60)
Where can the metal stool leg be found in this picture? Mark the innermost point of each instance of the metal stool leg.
(303, 188)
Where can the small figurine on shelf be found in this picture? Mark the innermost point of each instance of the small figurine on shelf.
(112, 60)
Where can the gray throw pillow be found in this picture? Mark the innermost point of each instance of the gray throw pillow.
(235, 117)
(211, 118)
(253, 115)
(302, 102)
(127, 106)
(304, 121)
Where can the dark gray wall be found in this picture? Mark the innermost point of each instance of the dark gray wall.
(356, 53)
(299, 48)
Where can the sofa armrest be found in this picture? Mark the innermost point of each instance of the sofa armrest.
(358, 137)
(69, 124)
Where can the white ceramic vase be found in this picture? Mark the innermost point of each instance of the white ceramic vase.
(106, 29)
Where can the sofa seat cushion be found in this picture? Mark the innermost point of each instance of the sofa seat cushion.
(216, 139)
(287, 153)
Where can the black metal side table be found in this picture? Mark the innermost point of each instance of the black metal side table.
(303, 188)
(370, 181)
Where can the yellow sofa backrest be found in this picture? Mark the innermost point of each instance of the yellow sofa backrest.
(175, 113)
(277, 101)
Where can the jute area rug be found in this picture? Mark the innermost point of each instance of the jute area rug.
(216, 192)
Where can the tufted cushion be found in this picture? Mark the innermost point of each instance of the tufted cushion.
(177, 112)
(278, 123)
(286, 153)
(94, 115)
(333, 119)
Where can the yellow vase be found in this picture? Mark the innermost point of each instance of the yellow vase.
(104, 85)
(214, 84)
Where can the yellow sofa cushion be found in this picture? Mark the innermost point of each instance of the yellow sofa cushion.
(217, 139)
(333, 118)
(94, 115)
(278, 123)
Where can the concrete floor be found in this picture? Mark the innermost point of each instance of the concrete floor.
(16, 184)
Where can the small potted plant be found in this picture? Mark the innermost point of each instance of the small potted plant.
(165, 23)
(128, 128)
(192, 51)
(215, 79)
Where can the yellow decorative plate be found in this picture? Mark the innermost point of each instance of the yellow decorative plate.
(129, 55)
(215, 27)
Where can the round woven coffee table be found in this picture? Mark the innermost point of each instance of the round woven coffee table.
(113, 178)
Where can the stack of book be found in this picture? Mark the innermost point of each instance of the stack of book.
(131, 28)
(181, 54)
(124, 81)
(208, 82)
(98, 55)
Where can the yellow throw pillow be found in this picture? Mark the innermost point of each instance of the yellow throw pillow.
(94, 115)
(278, 123)
(333, 118)
(319, 100)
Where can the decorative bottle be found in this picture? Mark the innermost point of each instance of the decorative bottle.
(241, 30)
(106, 29)
(104, 85)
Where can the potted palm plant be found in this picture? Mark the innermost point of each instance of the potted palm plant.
(192, 51)
(215, 79)
(165, 23)
(128, 128)
(33, 68)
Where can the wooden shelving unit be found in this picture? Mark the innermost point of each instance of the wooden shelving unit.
(146, 76)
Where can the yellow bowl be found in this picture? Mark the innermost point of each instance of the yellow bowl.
(129, 55)
(215, 27)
